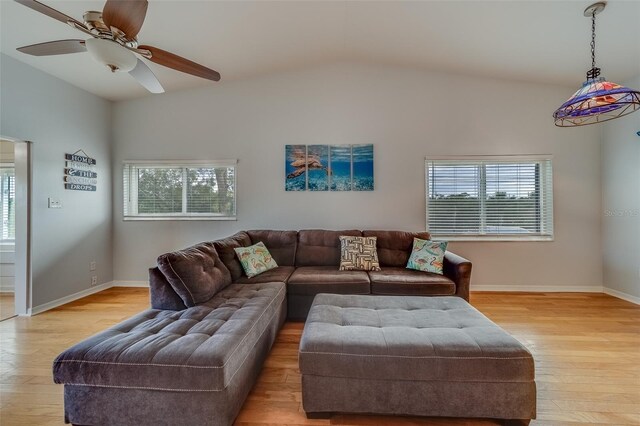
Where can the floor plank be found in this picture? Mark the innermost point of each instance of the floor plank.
(586, 347)
(7, 305)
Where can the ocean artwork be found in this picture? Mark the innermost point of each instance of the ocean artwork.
(318, 170)
(329, 167)
(295, 168)
(340, 164)
(362, 158)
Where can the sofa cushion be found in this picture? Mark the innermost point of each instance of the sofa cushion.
(197, 349)
(402, 281)
(318, 247)
(281, 244)
(279, 274)
(358, 254)
(394, 247)
(195, 273)
(225, 248)
(162, 295)
(327, 279)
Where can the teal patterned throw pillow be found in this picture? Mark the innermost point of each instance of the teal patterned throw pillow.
(255, 259)
(427, 256)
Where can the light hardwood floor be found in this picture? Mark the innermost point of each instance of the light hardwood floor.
(586, 347)
(7, 305)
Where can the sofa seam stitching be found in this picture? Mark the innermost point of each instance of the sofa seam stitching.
(193, 301)
(409, 356)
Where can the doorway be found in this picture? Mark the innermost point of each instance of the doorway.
(15, 182)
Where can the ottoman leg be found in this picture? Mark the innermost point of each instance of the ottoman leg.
(321, 415)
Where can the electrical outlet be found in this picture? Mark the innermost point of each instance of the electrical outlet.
(92, 265)
(94, 280)
(54, 203)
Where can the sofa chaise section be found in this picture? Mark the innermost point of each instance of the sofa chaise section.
(204, 359)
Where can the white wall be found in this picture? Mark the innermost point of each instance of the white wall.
(59, 118)
(407, 114)
(621, 203)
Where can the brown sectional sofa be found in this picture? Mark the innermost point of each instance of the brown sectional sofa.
(198, 351)
(308, 263)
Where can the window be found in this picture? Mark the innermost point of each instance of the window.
(8, 203)
(492, 198)
(189, 190)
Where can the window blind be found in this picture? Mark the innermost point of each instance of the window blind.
(191, 190)
(496, 197)
(7, 203)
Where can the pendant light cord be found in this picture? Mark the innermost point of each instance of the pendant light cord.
(594, 72)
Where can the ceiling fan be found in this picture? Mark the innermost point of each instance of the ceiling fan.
(113, 42)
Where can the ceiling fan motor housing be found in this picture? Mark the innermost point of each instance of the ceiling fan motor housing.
(111, 54)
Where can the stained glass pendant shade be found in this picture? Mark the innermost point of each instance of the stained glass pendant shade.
(597, 100)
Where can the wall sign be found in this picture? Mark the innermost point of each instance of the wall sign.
(79, 172)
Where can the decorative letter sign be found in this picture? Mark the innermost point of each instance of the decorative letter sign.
(79, 174)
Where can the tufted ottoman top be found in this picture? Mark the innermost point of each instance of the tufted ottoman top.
(408, 338)
(196, 349)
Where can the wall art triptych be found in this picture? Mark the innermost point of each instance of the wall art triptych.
(329, 167)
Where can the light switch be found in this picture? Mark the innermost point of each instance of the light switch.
(55, 203)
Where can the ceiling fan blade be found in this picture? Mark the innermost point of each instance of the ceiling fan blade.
(58, 47)
(143, 74)
(49, 11)
(126, 15)
(176, 62)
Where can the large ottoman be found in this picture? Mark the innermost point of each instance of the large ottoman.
(424, 356)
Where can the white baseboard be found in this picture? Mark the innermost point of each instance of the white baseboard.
(131, 284)
(64, 300)
(621, 295)
(539, 288)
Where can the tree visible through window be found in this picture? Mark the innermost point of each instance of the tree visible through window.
(172, 191)
(490, 198)
(8, 203)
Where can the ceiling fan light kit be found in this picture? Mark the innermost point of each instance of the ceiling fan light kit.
(111, 54)
(114, 42)
(597, 100)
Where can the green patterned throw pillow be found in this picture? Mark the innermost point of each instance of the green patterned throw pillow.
(358, 254)
(255, 259)
(427, 256)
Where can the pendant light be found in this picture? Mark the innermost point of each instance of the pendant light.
(597, 100)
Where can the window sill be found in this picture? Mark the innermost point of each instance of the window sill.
(494, 238)
(7, 246)
(169, 218)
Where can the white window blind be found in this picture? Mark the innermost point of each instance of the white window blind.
(492, 198)
(8, 203)
(155, 190)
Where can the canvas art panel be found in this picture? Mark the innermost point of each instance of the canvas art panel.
(295, 168)
(318, 167)
(362, 160)
(340, 164)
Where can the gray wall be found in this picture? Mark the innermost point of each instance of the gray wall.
(60, 118)
(621, 202)
(407, 114)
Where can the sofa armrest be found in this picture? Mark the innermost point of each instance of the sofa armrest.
(458, 269)
(162, 295)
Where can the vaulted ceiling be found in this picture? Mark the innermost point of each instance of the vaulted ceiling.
(537, 41)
